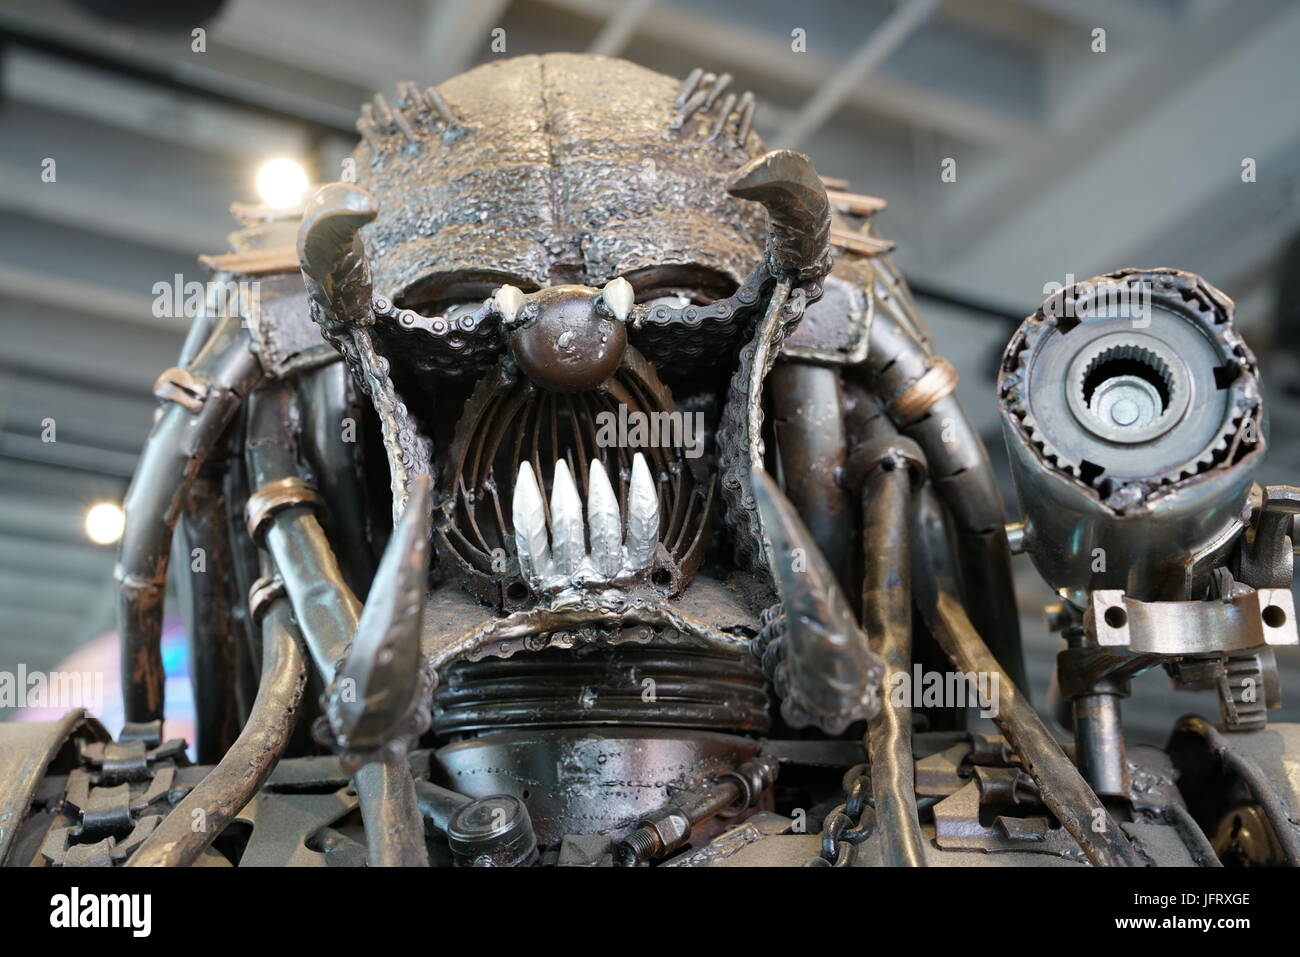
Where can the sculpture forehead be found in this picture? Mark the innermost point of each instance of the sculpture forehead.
(560, 165)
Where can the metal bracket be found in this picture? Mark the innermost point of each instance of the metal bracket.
(1234, 623)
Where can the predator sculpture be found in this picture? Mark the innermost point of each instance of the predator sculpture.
(582, 488)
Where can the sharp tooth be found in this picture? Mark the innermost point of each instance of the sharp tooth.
(642, 516)
(604, 522)
(530, 527)
(509, 301)
(567, 547)
(619, 296)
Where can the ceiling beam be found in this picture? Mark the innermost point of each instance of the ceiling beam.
(875, 50)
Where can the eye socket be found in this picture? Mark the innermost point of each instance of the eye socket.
(438, 295)
(679, 285)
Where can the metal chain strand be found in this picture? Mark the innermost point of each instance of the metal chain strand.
(848, 824)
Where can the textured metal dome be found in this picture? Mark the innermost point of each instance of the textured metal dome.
(557, 168)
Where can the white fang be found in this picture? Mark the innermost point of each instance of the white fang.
(604, 524)
(567, 546)
(642, 516)
(529, 517)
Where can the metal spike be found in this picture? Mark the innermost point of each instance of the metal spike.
(688, 86)
(642, 516)
(441, 106)
(716, 90)
(724, 116)
(408, 95)
(405, 125)
(381, 674)
(383, 112)
(567, 547)
(833, 673)
(604, 523)
(367, 131)
(529, 517)
(746, 108)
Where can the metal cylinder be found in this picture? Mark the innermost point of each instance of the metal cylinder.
(1099, 743)
(1132, 415)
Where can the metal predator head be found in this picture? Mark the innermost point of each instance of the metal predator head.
(554, 263)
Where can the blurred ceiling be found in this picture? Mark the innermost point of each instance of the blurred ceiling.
(1068, 161)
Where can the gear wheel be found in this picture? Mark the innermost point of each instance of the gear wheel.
(1131, 382)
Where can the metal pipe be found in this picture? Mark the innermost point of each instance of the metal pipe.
(1099, 743)
(326, 609)
(282, 514)
(1062, 788)
(900, 356)
(219, 797)
(1285, 829)
(223, 372)
(391, 812)
(438, 804)
(331, 444)
(218, 648)
(808, 420)
(887, 619)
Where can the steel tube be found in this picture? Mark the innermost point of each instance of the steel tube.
(326, 608)
(391, 813)
(177, 446)
(220, 796)
(887, 619)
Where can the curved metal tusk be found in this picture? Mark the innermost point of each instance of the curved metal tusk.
(215, 801)
(376, 689)
(798, 212)
(834, 676)
(332, 258)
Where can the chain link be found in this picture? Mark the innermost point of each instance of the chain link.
(847, 824)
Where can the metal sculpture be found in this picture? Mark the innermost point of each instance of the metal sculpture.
(571, 490)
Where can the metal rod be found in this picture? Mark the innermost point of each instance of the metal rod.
(1099, 743)
(391, 813)
(900, 355)
(887, 619)
(200, 818)
(1062, 788)
(438, 804)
